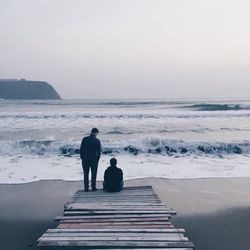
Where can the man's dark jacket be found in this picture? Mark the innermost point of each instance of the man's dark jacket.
(113, 177)
(90, 148)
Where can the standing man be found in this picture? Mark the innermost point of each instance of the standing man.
(90, 152)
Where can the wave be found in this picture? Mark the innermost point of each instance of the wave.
(148, 145)
(156, 145)
(96, 102)
(122, 116)
(218, 107)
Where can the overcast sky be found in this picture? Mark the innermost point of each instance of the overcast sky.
(129, 48)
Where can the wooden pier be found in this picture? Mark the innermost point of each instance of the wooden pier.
(134, 218)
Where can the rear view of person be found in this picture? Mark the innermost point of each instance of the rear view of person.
(90, 152)
(113, 177)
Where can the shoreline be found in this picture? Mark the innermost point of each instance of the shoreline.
(214, 211)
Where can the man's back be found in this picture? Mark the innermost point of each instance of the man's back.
(90, 148)
(113, 178)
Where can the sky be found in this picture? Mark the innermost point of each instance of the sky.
(129, 48)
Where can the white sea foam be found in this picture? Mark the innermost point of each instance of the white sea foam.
(20, 169)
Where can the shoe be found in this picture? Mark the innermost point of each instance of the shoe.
(86, 190)
(94, 189)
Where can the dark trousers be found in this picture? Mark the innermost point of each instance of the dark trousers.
(86, 165)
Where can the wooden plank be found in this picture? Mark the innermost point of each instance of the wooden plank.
(120, 200)
(116, 218)
(134, 188)
(117, 204)
(112, 234)
(121, 235)
(114, 238)
(116, 195)
(129, 196)
(126, 244)
(116, 198)
(96, 207)
(148, 248)
(118, 223)
(114, 203)
(124, 231)
(102, 224)
(86, 207)
(122, 248)
(121, 207)
(125, 189)
(83, 225)
(119, 194)
(114, 212)
(100, 216)
(123, 192)
(92, 220)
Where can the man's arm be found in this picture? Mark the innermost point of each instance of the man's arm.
(121, 175)
(99, 149)
(105, 175)
(82, 149)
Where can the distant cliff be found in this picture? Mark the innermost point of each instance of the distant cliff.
(27, 90)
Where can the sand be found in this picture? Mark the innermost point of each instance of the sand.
(214, 212)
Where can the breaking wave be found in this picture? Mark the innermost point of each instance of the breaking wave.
(148, 145)
(127, 116)
(219, 107)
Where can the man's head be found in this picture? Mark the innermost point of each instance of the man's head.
(113, 162)
(94, 131)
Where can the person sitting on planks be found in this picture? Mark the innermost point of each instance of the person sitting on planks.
(113, 177)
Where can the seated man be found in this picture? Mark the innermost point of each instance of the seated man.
(113, 177)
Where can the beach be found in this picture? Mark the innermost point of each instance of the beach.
(161, 86)
(214, 211)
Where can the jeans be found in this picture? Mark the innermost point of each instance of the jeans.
(86, 165)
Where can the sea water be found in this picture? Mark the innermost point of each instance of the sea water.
(150, 138)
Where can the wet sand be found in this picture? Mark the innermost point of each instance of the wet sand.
(214, 212)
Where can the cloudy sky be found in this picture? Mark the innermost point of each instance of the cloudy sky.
(129, 48)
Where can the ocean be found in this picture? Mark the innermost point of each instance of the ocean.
(150, 138)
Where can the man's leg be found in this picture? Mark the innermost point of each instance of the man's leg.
(94, 166)
(85, 167)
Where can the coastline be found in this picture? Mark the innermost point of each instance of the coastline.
(214, 211)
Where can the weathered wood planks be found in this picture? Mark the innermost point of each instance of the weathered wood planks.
(134, 218)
